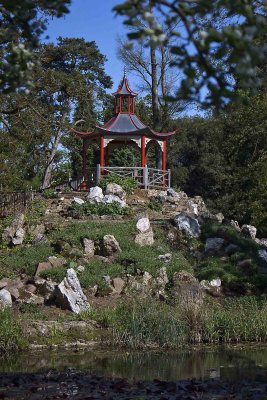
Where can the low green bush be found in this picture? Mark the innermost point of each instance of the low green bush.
(154, 205)
(100, 209)
(36, 211)
(50, 194)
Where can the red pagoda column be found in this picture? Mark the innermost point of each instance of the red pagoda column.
(143, 151)
(164, 155)
(102, 152)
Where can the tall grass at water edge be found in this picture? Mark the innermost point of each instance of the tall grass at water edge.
(11, 337)
(150, 323)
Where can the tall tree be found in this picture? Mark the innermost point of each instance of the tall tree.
(68, 84)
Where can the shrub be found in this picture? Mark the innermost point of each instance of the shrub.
(50, 194)
(127, 184)
(36, 211)
(100, 209)
(155, 205)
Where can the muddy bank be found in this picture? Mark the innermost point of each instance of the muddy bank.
(78, 385)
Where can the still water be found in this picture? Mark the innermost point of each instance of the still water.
(223, 362)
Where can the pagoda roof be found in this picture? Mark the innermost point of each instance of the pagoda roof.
(124, 88)
(124, 124)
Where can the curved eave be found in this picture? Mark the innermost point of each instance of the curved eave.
(145, 131)
(163, 135)
(85, 135)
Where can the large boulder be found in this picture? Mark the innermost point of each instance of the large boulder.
(13, 286)
(46, 289)
(18, 237)
(186, 289)
(5, 298)
(213, 244)
(15, 229)
(172, 193)
(212, 287)
(111, 246)
(143, 225)
(78, 200)
(95, 195)
(69, 294)
(263, 254)
(115, 189)
(112, 198)
(42, 266)
(162, 279)
(26, 297)
(89, 248)
(145, 238)
(187, 224)
(249, 231)
(118, 284)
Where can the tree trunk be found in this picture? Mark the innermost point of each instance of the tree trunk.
(154, 89)
(165, 108)
(50, 162)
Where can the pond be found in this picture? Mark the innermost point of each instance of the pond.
(234, 363)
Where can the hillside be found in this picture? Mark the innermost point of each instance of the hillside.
(148, 268)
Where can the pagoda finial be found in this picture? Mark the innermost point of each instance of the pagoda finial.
(124, 74)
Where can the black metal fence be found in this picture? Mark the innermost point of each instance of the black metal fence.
(12, 202)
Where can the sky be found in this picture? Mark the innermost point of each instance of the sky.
(94, 20)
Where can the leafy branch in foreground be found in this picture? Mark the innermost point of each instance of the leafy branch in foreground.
(215, 44)
(21, 25)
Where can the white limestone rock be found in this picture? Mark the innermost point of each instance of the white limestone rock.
(19, 237)
(115, 189)
(69, 294)
(5, 298)
(89, 247)
(111, 246)
(112, 198)
(95, 195)
(143, 225)
(249, 231)
(78, 201)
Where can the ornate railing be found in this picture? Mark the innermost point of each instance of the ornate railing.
(146, 177)
(12, 202)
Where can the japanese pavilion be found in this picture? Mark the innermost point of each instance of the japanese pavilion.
(124, 129)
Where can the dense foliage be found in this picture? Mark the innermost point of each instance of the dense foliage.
(224, 159)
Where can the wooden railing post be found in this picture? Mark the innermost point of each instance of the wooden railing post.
(169, 178)
(145, 177)
(98, 174)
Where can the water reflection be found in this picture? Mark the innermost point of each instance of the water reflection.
(222, 363)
